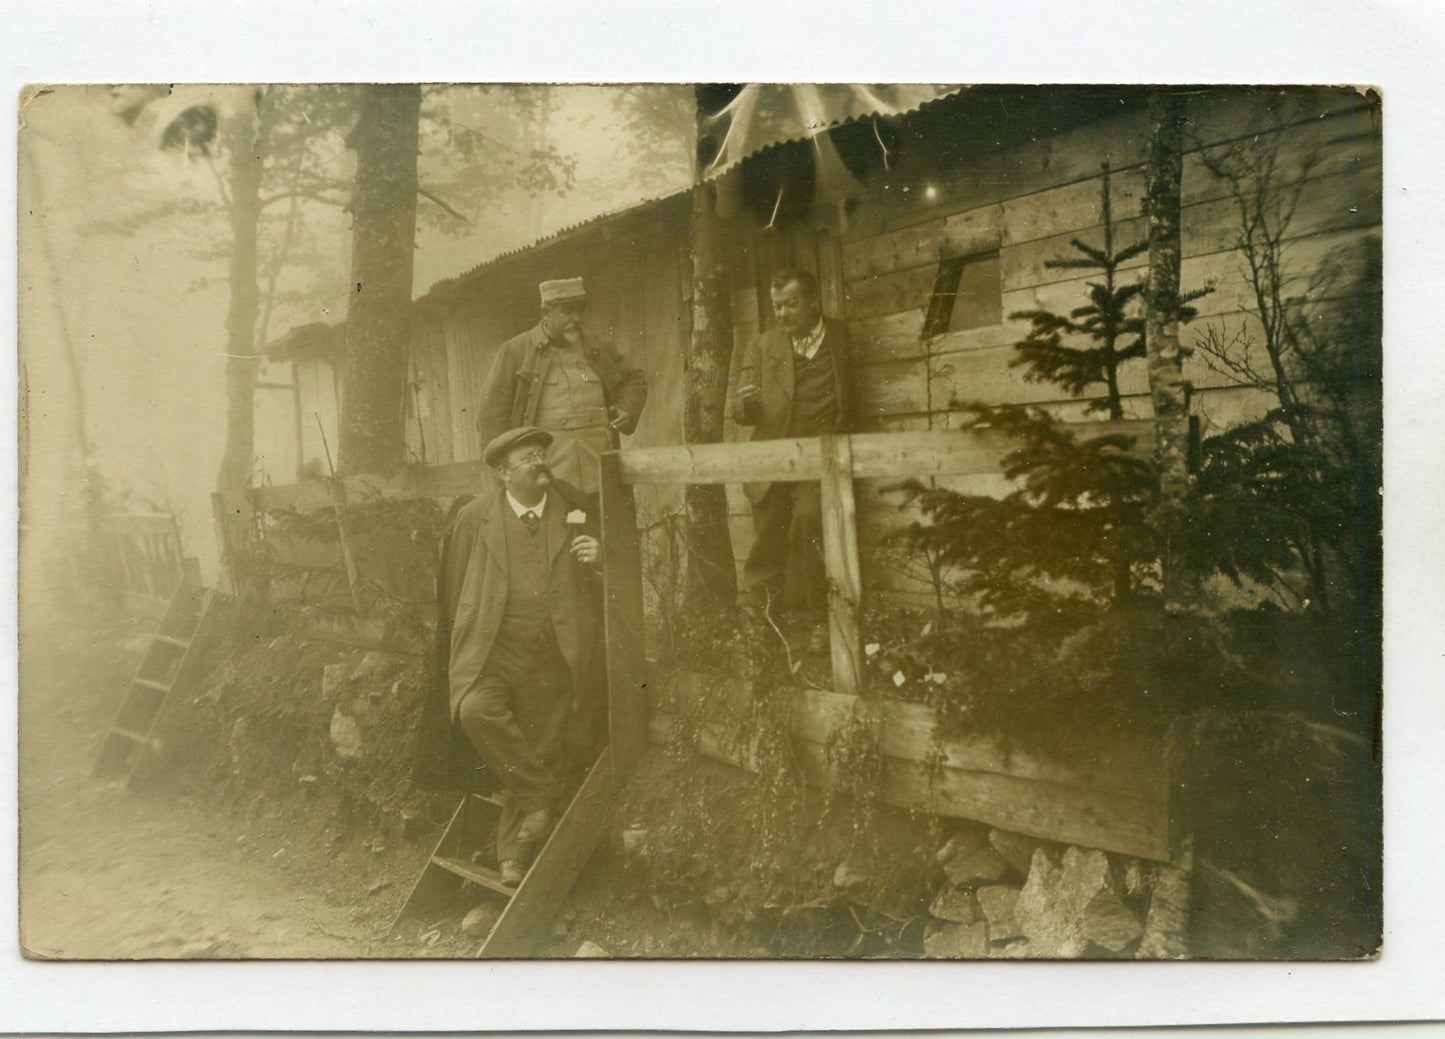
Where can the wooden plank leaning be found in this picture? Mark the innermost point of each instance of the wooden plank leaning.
(526, 921)
(622, 592)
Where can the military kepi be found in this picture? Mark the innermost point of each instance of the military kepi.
(496, 451)
(562, 290)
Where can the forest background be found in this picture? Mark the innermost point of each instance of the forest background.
(126, 281)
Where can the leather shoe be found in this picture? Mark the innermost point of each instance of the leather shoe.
(513, 872)
(535, 826)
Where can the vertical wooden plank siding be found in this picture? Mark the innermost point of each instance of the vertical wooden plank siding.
(830, 274)
(622, 592)
(840, 557)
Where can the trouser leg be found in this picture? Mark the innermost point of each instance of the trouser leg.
(765, 569)
(515, 723)
(806, 577)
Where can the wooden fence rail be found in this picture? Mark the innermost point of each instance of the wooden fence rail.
(147, 550)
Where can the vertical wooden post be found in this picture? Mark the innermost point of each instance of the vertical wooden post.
(622, 592)
(840, 558)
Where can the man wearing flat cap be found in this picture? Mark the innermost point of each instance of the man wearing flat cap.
(517, 589)
(558, 377)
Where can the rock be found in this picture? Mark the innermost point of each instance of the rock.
(1136, 879)
(236, 741)
(845, 877)
(957, 905)
(1166, 921)
(345, 735)
(200, 948)
(1017, 849)
(380, 885)
(1018, 949)
(957, 942)
(370, 664)
(333, 680)
(1066, 905)
(634, 841)
(965, 839)
(997, 902)
(1109, 923)
(590, 950)
(981, 866)
(478, 922)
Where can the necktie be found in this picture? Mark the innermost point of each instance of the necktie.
(532, 520)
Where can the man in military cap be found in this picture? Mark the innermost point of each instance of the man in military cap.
(520, 566)
(560, 378)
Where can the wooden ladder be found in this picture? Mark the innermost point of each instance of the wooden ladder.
(168, 666)
(466, 854)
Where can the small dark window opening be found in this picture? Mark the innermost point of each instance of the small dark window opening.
(966, 294)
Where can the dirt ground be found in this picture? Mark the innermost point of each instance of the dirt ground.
(170, 867)
(149, 872)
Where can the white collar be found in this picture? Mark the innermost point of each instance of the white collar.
(806, 346)
(521, 510)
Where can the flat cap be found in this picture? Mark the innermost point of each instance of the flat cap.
(561, 290)
(496, 451)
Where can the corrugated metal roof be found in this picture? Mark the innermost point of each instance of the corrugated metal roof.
(284, 346)
(768, 115)
(446, 283)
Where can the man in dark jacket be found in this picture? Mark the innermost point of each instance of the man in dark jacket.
(521, 565)
(560, 378)
(792, 381)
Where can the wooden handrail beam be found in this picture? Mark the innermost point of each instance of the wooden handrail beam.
(938, 452)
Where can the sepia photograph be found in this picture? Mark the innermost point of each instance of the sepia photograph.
(721, 521)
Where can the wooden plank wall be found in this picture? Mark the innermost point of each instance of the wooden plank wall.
(637, 287)
(1029, 200)
(319, 397)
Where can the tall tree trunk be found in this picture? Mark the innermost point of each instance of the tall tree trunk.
(1167, 388)
(242, 361)
(711, 573)
(383, 243)
(80, 492)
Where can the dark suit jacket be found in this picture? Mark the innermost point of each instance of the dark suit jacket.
(471, 594)
(509, 396)
(768, 364)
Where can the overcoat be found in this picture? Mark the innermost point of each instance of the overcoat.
(513, 384)
(767, 363)
(471, 597)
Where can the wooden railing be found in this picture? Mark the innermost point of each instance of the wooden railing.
(146, 548)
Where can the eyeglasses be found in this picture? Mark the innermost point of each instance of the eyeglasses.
(530, 458)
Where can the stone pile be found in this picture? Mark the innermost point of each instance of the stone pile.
(1008, 895)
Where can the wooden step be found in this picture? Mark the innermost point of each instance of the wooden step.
(487, 878)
